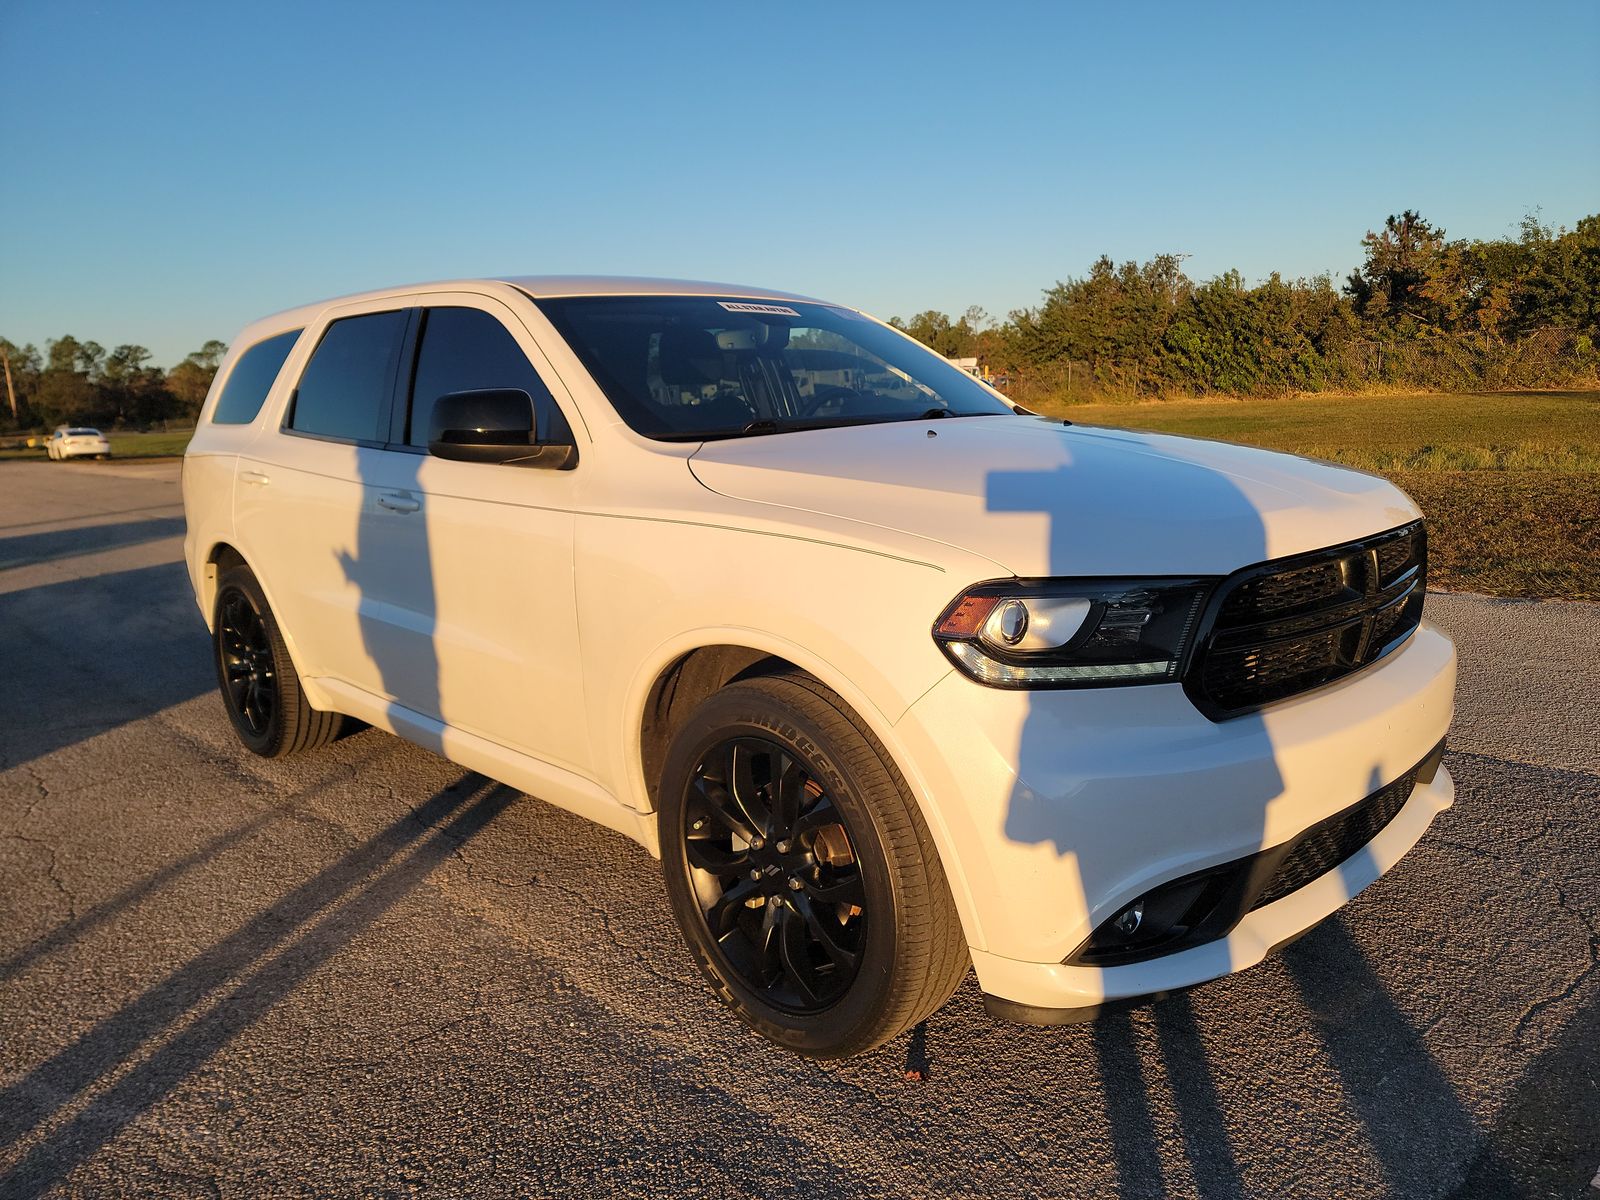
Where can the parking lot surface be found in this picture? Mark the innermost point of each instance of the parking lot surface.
(366, 971)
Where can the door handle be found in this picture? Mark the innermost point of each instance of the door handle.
(399, 502)
(255, 478)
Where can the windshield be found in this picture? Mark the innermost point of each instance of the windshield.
(693, 367)
(83, 433)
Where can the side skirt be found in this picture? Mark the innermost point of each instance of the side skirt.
(542, 780)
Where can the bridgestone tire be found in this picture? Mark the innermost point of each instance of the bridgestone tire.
(913, 956)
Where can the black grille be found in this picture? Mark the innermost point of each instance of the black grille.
(1285, 627)
(1323, 847)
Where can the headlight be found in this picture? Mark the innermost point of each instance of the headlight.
(1073, 633)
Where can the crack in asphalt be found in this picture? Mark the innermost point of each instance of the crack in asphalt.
(586, 903)
(38, 779)
(1580, 979)
(1584, 919)
(51, 870)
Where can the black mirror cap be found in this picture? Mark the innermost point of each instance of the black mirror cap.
(494, 425)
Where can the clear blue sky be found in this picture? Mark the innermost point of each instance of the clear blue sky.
(174, 171)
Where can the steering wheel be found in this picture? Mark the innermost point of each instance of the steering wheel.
(823, 397)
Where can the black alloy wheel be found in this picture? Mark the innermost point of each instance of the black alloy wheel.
(249, 676)
(800, 869)
(260, 688)
(775, 870)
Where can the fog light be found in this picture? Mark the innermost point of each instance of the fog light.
(1171, 917)
(1130, 918)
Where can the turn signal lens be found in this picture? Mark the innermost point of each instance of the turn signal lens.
(966, 616)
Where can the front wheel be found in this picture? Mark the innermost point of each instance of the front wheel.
(801, 871)
(260, 686)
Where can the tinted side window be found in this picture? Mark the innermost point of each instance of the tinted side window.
(465, 350)
(345, 387)
(251, 379)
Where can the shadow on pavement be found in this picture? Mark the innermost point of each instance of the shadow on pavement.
(1194, 1091)
(1549, 1130)
(91, 654)
(27, 549)
(1128, 1107)
(128, 897)
(274, 952)
(1411, 1113)
(8, 529)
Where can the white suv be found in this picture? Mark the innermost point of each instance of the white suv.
(891, 675)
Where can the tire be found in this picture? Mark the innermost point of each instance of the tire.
(837, 937)
(260, 688)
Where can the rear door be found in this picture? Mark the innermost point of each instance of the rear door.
(306, 515)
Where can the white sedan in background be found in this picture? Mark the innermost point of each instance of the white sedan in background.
(76, 441)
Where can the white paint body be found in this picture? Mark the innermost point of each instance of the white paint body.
(71, 441)
(531, 611)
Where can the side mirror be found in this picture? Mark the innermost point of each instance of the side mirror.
(495, 425)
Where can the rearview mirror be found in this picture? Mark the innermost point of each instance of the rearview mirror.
(495, 425)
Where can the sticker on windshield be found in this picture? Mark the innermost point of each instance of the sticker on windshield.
(771, 310)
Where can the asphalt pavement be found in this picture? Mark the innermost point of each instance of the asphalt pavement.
(367, 972)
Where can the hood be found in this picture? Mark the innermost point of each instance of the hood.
(1041, 498)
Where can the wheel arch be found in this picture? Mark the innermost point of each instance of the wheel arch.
(222, 556)
(679, 688)
(684, 672)
(218, 559)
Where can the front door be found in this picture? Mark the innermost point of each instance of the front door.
(476, 559)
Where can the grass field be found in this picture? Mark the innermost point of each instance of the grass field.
(124, 445)
(1510, 481)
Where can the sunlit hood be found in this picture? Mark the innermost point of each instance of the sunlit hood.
(1041, 498)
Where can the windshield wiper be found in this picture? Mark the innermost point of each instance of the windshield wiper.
(937, 413)
(754, 428)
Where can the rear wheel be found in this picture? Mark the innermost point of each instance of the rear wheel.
(801, 872)
(260, 688)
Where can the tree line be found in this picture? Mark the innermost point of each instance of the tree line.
(1422, 311)
(83, 383)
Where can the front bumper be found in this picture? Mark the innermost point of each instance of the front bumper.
(1054, 810)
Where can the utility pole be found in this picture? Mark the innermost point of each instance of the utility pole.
(11, 392)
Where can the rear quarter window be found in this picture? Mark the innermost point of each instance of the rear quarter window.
(251, 379)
